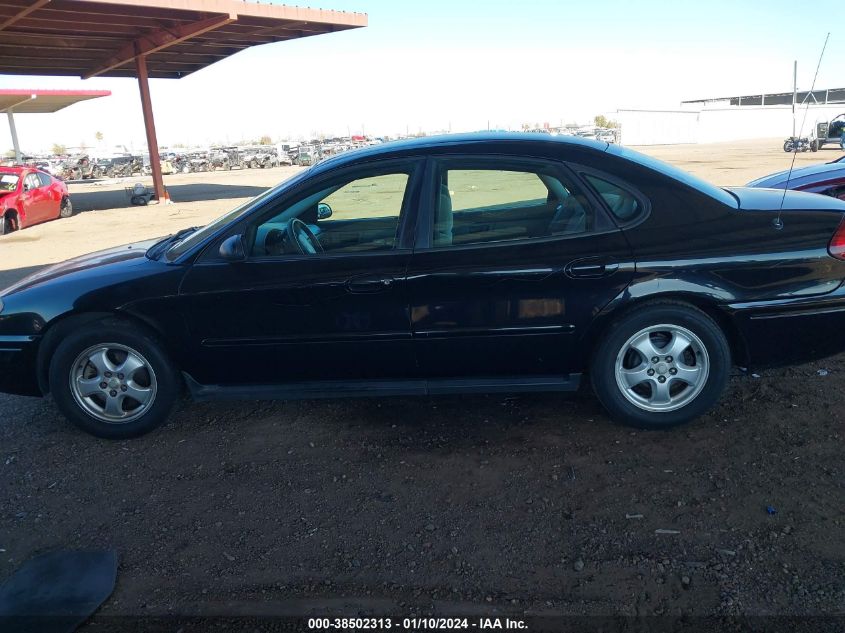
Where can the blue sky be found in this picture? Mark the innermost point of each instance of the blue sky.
(440, 65)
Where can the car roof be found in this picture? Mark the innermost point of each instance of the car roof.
(13, 169)
(427, 143)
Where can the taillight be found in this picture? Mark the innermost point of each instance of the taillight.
(837, 242)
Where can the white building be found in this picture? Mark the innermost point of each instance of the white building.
(730, 118)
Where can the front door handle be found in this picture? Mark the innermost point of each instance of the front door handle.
(373, 284)
(592, 267)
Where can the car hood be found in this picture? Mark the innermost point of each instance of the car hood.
(758, 199)
(100, 259)
(778, 180)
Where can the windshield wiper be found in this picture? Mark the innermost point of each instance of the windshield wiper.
(155, 251)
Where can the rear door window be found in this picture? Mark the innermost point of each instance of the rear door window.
(481, 202)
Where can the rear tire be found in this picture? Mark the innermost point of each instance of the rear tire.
(66, 210)
(113, 380)
(680, 374)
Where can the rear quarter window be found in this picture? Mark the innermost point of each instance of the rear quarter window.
(626, 206)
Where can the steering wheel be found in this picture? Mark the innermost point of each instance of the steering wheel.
(305, 240)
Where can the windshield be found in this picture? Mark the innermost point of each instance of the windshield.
(676, 174)
(9, 182)
(184, 245)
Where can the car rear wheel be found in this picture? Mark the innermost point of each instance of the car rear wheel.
(113, 380)
(66, 210)
(661, 365)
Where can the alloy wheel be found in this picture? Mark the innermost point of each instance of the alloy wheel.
(662, 368)
(113, 383)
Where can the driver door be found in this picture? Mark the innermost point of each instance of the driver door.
(288, 314)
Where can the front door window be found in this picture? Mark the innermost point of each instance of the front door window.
(350, 216)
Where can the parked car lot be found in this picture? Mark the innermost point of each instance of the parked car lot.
(413, 505)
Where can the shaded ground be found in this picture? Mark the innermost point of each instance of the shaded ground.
(104, 217)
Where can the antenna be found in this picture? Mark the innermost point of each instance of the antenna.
(778, 223)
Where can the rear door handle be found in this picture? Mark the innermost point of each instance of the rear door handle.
(361, 285)
(591, 268)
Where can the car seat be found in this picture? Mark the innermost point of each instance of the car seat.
(443, 218)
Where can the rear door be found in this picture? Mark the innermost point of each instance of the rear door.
(516, 257)
(52, 195)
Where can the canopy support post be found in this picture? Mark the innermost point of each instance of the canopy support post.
(14, 132)
(150, 126)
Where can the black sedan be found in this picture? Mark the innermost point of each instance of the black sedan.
(457, 264)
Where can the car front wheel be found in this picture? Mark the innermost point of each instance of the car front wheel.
(113, 380)
(661, 365)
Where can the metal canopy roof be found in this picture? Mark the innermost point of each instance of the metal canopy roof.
(820, 97)
(90, 38)
(44, 101)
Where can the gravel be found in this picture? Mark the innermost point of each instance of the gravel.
(530, 503)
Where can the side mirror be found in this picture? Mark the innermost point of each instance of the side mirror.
(232, 249)
(323, 211)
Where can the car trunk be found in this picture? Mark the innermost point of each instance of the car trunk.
(774, 200)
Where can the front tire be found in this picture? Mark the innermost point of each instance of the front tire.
(660, 365)
(113, 380)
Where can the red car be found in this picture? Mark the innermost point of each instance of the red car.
(30, 196)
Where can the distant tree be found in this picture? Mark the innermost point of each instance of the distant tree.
(602, 121)
(59, 149)
(265, 140)
(99, 136)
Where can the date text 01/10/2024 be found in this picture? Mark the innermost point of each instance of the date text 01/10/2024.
(415, 624)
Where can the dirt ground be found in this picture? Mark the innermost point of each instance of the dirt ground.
(530, 504)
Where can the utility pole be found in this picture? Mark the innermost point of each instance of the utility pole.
(794, 92)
